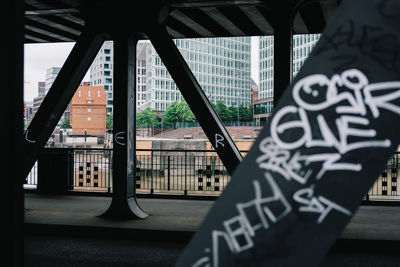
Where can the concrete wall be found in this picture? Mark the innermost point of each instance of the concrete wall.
(183, 144)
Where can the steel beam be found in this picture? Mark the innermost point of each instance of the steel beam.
(195, 97)
(311, 166)
(59, 95)
(283, 46)
(124, 204)
(11, 74)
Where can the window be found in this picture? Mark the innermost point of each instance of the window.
(107, 51)
(98, 94)
(89, 118)
(79, 93)
(89, 93)
(89, 110)
(108, 59)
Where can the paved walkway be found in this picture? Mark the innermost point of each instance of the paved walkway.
(176, 217)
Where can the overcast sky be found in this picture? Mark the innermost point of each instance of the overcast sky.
(40, 57)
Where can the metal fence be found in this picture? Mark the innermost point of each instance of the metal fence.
(31, 179)
(180, 171)
(386, 186)
(187, 172)
(92, 170)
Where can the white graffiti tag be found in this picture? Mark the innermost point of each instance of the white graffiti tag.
(253, 215)
(280, 160)
(330, 118)
(319, 204)
(291, 127)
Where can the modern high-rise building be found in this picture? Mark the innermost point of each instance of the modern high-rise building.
(221, 66)
(41, 88)
(51, 75)
(37, 101)
(302, 47)
(101, 72)
(141, 74)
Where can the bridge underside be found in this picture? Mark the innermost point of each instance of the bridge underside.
(89, 24)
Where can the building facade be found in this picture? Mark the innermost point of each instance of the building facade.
(28, 112)
(41, 88)
(51, 75)
(37, 101)
(141, 74)
(101, 72)
(302, 47)
(221, 66)
(88, 111)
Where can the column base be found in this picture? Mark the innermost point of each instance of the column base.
(126, 209)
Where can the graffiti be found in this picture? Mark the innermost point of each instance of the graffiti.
(369, 41)
(319, 204)
(352, 129)
(219, 140)
(302, 136)
(119, 138)
(240, 229)
(281, 161)
(28, 139)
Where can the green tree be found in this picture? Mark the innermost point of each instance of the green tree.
(146, 117)
(222, 110)
(232, 111)
(109, 122)
(245, 113)
(65, 124)
(178, 112)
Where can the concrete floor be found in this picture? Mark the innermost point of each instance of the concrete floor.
(67, 231)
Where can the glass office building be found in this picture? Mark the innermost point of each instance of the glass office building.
(220, 65)
(302, 47)
(101, 72)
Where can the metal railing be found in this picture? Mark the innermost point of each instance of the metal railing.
(92, 170)
(386, 187)
(187, 172)
(31, 179)
(180, 171)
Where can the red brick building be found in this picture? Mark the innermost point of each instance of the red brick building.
(88, 111)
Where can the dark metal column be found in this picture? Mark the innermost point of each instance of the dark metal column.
(283, 35)
(195, 97)
(124, 204)
(11, 74)
(59, 95)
